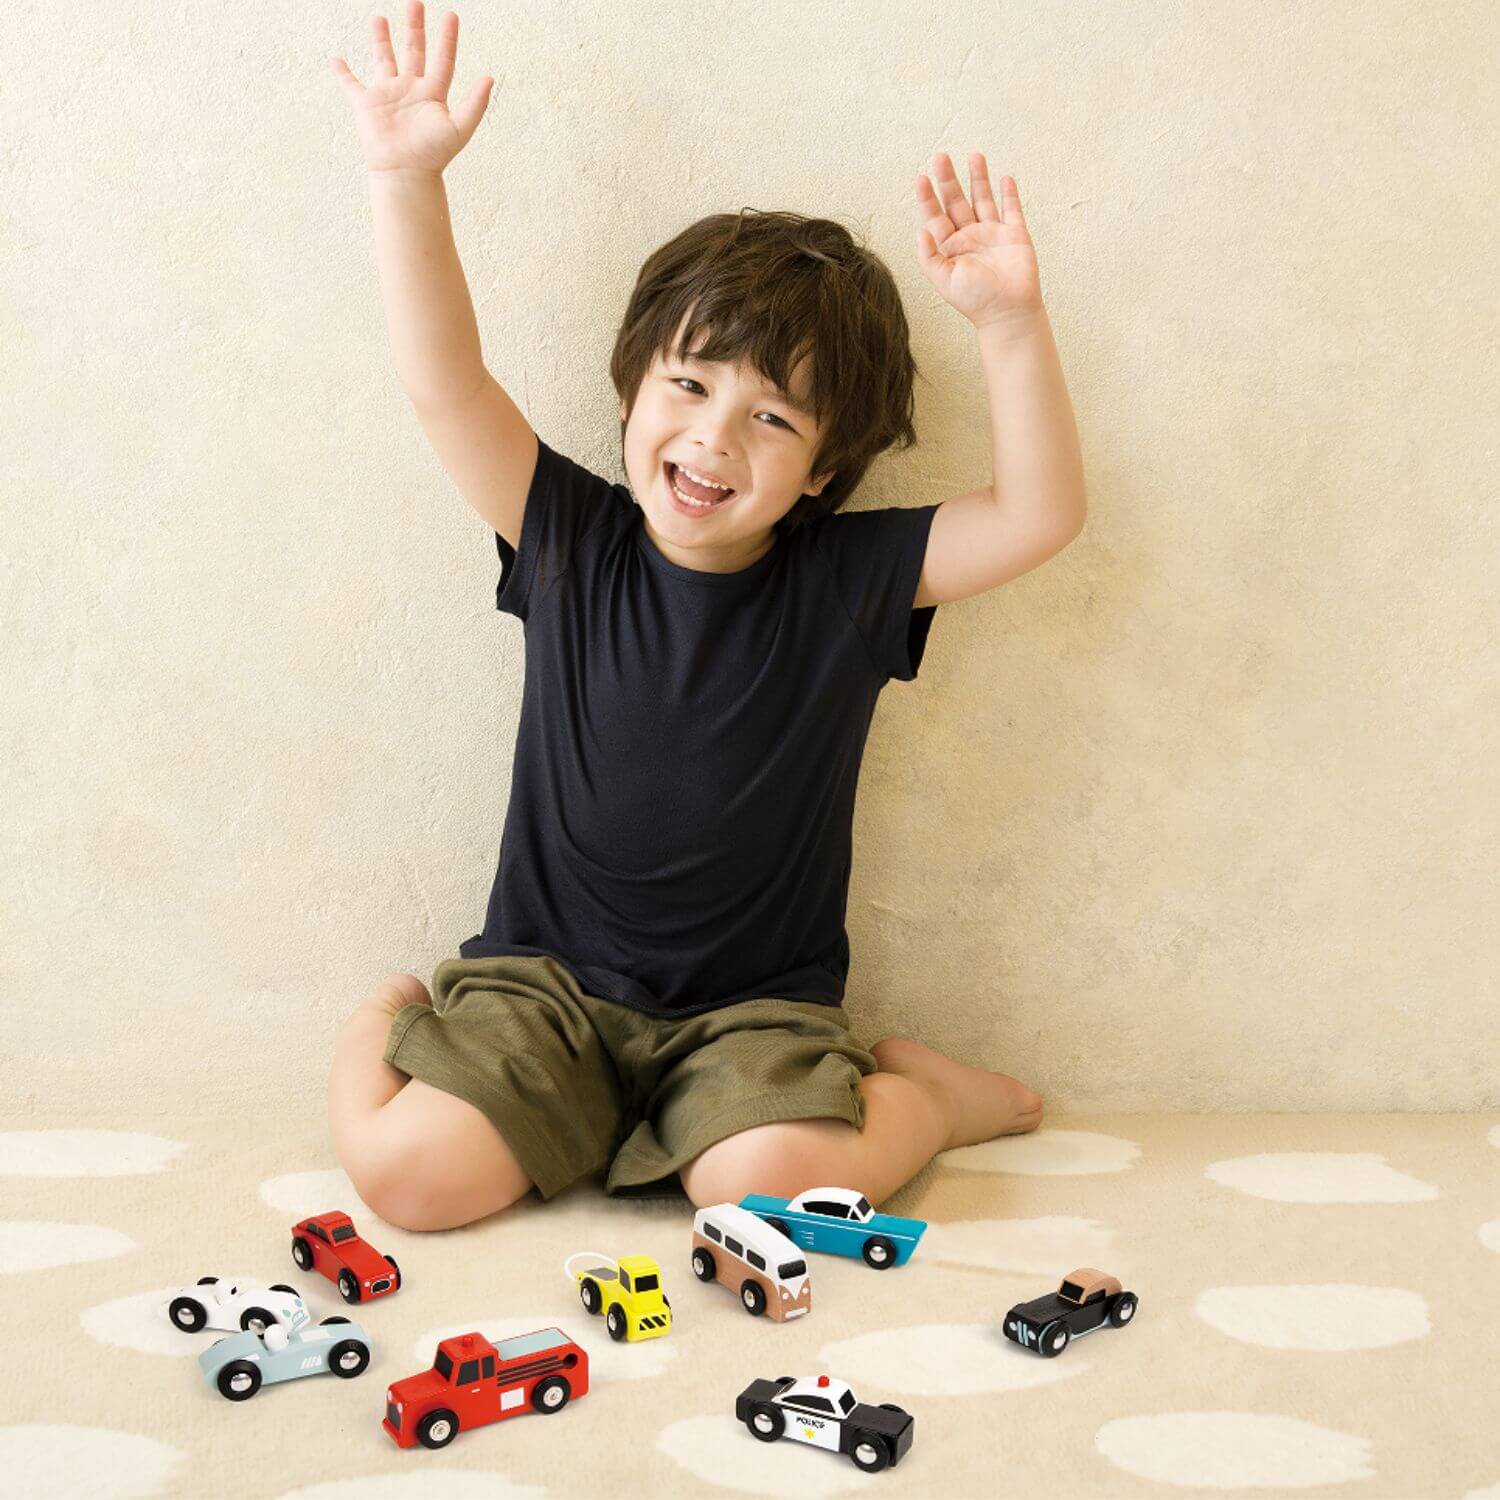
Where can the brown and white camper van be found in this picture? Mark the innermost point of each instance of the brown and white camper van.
(759, 1264)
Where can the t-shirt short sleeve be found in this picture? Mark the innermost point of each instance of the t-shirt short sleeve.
(876, 558)
(565, 503)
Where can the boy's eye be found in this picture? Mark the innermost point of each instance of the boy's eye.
(688, 380)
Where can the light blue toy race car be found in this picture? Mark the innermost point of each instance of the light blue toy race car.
(839, 1221)
(242, 1363)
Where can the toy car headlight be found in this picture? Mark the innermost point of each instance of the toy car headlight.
(786, 1296)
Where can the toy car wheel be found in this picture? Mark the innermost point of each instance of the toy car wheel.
(256, 1319)
(1123, 1310)
(703, 1264)
(551, 1394)
(348, 1287)
(239, 1380)
(879, 1252)
(615, 1321)
(590, 1295)
(437, 1429)
(779, 1225)
(753, 1298)
(1053, 1340)
(348, 1358)
(302, 1254)
(208, 1281)
(891, 1406)
(765, 1422)
(390, 1260)
(324, 1322)
(281, 1286)
(187, 1314)
(869, 1453)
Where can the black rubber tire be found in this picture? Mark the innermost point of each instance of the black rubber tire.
(188, 1315)
(208, 1281)
(779, 1225)
(302, 1254)
(752, 1298)
(339, 1361)
(590, 1295)
(445, 1421)
(390, 1260)
(1052, 1340)
(256, 1315)
(281, 1286)
(348, 1287)
(1127, 1305)
(324, 1322)
(703, 1264)
(765, 1422)
(238, 1372)
(870, 1442)
(891, 1406)
(880, 1253)
(545, 1396)
(617, 1323)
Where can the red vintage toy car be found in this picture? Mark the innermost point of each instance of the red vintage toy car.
(473, 1382)
(329, 1244)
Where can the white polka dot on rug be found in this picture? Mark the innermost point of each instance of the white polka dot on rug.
(1233, 1450)
(29, 1246)
(608, 1360)
(450, 1484)
(303, 1194)
(84, 1153)
(140, 1322)
(1319, 1177)
(943, 1359)
(1494, 1135)
(1489, 1492)
(1045, 1247)
(1046, 1153)
(1489, 1234)
(720, 1451)
(45, 1462)
(1332, 1315)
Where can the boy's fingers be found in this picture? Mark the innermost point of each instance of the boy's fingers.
(467, 116)
(380, 45)
(939, 225)
(351, 84)
(440, 75)
(980, 190)
(416, 40)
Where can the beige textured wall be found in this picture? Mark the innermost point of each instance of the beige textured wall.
(1200, 815)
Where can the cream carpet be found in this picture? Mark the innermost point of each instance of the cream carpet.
(1319, 1311)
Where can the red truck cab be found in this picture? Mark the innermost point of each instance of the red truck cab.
(473, 1382)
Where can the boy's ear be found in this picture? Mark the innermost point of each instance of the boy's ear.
(816, 488)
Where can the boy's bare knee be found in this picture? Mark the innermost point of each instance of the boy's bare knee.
(782, 1159)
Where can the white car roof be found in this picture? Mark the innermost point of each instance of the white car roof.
(808, 1385)
(744, 1226)
(847, 1196)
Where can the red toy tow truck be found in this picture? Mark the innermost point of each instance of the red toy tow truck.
(329, 1244)
(473, 1382)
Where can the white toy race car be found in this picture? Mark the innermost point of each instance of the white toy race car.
(823, 1412)
(236, 1305)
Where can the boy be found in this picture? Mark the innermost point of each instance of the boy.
(657, 990)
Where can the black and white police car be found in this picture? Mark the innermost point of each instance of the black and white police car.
(822, 1411)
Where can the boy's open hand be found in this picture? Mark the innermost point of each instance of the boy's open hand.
(981, 259)
(403, 116)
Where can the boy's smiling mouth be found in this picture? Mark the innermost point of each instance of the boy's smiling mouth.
(685, 493)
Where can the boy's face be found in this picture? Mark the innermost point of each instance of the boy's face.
(728, 423)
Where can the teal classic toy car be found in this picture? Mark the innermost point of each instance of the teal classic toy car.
(840, 1221)
(240, 1364)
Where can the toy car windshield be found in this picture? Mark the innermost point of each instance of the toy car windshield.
(791, 1269)
(647, 1283)
(443, 1365)
(346, 1233)
(1071, 1290)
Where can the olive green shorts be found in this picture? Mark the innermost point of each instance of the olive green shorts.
(575, 1083)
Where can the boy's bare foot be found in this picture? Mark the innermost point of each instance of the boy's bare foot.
(978, 1104)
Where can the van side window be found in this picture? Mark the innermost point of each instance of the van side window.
(712, 1233)
(733, 1246)
(829, 1210)
(625, 1280)
(758, 1261)
(489, 1367)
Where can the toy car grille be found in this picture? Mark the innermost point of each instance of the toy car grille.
(393, 1415)
(382, 1285)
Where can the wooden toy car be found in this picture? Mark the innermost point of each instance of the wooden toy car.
(1085, 1301)
(733, 1247)
(329, 1245)
(823, 1412)
(840, 1221)
(217, 1302)
(473, 1382)
(628, 1292)
(240, 1365)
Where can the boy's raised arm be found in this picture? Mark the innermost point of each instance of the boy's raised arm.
(481, 437)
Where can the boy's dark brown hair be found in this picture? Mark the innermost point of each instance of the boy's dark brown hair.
(771, 288)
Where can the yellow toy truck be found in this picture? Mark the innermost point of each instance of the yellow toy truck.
(628, 1292)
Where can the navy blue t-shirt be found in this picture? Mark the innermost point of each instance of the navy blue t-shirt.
(682, 796)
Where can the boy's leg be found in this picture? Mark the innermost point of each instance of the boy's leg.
(419, 1157)
(917, 1104)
